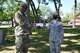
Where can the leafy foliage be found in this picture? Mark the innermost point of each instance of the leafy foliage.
(67, 18)
(8, 8)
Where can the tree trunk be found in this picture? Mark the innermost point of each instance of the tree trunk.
(12, 21)
(75, 1)
(34, 10)
(28, 14)
(57, 8)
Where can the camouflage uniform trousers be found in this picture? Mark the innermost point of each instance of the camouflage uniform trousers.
(55, 47)
(22, 43)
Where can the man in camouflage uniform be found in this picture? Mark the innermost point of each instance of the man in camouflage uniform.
(56, 34)
(22, 28)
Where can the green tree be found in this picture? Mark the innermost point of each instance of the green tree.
(67, 18)
(8, 8)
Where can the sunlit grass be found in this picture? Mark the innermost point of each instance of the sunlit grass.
(34, 33)
(68, 34)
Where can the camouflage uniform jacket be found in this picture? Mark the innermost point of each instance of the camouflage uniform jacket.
(56, 31)
(21, 23)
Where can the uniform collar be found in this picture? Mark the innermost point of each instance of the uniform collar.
(54, 20)
(20, 13)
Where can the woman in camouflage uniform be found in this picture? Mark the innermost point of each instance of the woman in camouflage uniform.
(56, 34)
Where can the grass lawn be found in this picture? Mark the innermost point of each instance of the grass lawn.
(39, 41)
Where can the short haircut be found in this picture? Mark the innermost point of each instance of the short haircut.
(55, 15)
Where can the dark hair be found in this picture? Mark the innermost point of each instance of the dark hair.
(55, 16)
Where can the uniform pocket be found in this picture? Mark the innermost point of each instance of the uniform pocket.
(51, 39)
(18, 40)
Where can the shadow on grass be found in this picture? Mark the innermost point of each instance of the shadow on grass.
(72, 30)
(39, 41)
(72, 42)
(9, 39)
